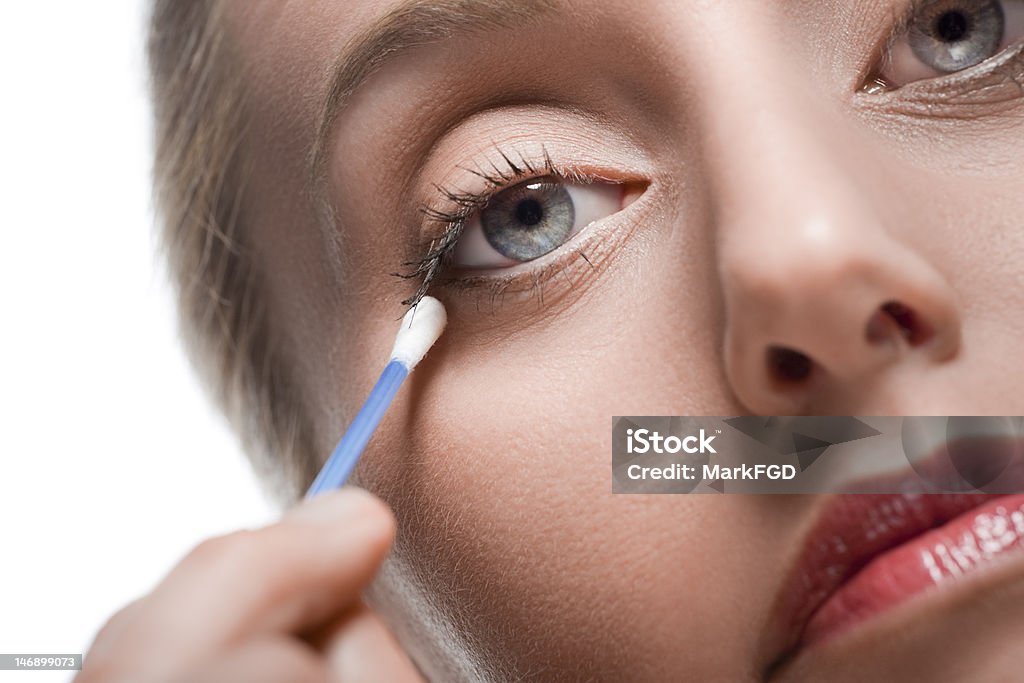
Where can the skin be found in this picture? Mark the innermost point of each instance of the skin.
(779, 208)
(234, 608)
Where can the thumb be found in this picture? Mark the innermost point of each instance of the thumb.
(359, 648)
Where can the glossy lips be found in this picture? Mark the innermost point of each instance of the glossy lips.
(948, 552)
(869, 553)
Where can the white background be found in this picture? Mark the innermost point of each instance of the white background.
(113, 462)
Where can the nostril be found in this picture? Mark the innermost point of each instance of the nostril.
(904, 319)
(788, 365)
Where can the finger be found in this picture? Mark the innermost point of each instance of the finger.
(104, 659)
(361, 649)
(286, 577)
(110, 633)
(263, 660)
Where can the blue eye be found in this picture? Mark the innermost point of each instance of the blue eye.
(949, 36)
(531, 219)
(946, 36)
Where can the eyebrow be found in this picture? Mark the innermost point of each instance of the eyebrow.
(413, 24)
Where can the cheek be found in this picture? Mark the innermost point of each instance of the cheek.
(976, 232)
(498, 466)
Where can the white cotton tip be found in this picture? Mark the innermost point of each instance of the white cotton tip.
(421, 326)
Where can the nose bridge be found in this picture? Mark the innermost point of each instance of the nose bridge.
(807, 257)
(779, 154)
(774, 140)
(792, 220)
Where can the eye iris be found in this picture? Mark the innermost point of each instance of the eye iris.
(952, 35)
(528, 220)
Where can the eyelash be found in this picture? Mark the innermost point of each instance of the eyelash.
(462, 205)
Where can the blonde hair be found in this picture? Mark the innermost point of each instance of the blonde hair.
(199, 181)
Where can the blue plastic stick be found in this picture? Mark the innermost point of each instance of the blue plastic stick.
(343, 460)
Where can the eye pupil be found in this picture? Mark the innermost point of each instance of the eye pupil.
(529, 212)
(952, 26)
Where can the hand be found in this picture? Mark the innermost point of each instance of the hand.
(279, 603)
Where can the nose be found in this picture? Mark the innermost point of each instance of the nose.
(826, 294)
(822, 307)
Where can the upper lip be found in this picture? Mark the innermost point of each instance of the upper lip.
(849, 532)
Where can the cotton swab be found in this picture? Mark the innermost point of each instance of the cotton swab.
(421, 326)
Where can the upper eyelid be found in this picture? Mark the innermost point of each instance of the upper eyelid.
(496, 180)
(457, 203)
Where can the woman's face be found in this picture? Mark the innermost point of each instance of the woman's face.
(722, 221)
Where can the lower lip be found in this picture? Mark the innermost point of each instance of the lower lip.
(963, 546)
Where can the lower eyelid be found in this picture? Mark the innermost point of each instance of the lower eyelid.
(989, 88)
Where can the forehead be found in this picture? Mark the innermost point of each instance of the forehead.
(306, 36)
(305, 60)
